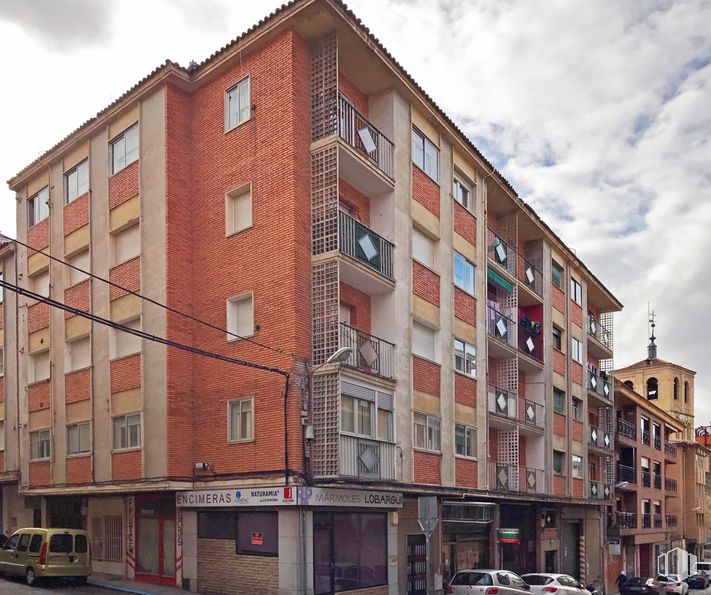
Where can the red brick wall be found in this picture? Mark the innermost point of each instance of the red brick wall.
(427, 467)
(576, 314)
(126, 373)
(465, 473)
(79, 469)
(37, 317)
(522, 451)
(76, 213)
(124, 185)
(38, 236)
(357, 203)
(353, 94)
(128, 275)
(38, 396)
(126, 465)
(77, 297)
(359, 303)
(464, 390)
(39, 473)
(576, 372)
(493, 444)
(521, 387)
(559, 362)
(425, 376)
(464, 223)
(578, 488)
(559, 424)
(464, 306)
(559, 487)
(77, 385)
(576, 430)
(425, 283)
(558, 299)
(2, 461)
(425, 190)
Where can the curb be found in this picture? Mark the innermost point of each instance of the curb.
(120, 588)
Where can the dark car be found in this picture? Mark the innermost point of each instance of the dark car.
(641, 585)
(700, 580)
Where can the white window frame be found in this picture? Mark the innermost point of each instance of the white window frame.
(236, 89)
(465, 353)
(470, 450)
(232, 318)
(358, 419)
(77, 427)
(423, 248)
(576, 350)
(125, 419)
(234, 434)
(463, 192)
(432, 432)
(35, 211)
(576, 292)
(68, 356)
(32, 363)
(420, 156)
(76, 181)
(39, 439)
(554, 265)
(117, 259)
(468, 266)
(232, 225)
(119, 143)
(114, 338)
(428, 356)
(74, 277)
(577, 467)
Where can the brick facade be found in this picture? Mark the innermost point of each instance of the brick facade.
(77, 297)
(464, 223)
(425, 190)
(126, 465)
(76, 213)
(576, 314)
(223, 572)
(559, 424)
(126, 373)
(466, 473)
(37, 317)
(576, 372)
(425, 283)
(576, 430)
(558, 299)
(40, 473)
(359, 304)
(38, 236)
(38, 395)
(559, 362)
(464, 390)
(427, 467)
(77, 386)
(464, 306)
(128, 275)
(79, 469)
(124, 185)
(425, 376)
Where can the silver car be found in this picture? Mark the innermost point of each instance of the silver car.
(488, 582)
(543, 583)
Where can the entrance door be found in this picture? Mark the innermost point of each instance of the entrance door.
(155, 539)
(645, 559)
(570, 562)
(416, 565)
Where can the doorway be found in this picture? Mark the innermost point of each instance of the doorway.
(155, 539)
(570, 563)
(416, 565)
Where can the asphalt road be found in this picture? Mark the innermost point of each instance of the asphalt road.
(9, 585)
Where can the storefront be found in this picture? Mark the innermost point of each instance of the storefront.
(518, 552)
(466, 536)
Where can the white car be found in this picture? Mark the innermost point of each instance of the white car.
(487, 582)
(672, 583)
(544, 583)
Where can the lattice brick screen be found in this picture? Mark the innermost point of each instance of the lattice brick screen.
(324, 201)
(325, 416)
(507, 375)
(324, 310)
(324, 87)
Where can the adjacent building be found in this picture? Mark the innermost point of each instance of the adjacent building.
(299, 192)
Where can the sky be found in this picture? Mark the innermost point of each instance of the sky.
(599, 114)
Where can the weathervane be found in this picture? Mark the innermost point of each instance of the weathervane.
(651, 348)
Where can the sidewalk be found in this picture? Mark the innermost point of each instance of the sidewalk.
(113, 583)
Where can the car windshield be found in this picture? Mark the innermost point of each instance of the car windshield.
(537, 579)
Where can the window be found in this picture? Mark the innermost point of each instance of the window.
(241, 420)
(2, 435)
(39, 444)
(77, 354)
(258, 533)
(463, 273)
(423, 341)
(122, 343)
(425, 154)
(676, 389)
(356, 416)
(125, 244)
(38, 207)
(652, 389)
(23, 543)
(76, 181)
(124, 149)
(80, 260)
(464, 440)
(39, 283)
(238, 209)
(557, 274)
(61, 543)
(385, 425)
(79, 438)
(577, 466)
(427, 432)
(464, 357)
(422, 248)
(577, 350)
(462, 194)
(36, 544)
(217, 525)
(558, 401)
(576, 292)
(81, 546)
(240, 317)
(127, 431)
(557, 338)
(39, 366)
(576, 408)
(237, 105)
(558, 462)
(686, 391)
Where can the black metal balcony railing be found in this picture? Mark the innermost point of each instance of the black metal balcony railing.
(530, 276)
(368, 353)
(364, 245)
(599, 490)
(670, 449)
(671, 521)
(501, 252)
(626, 429)
(646, 520)
(657, 481)
(500, 326)
(599, 438)
(658, 520)
(657, 442)
(646, 479)
(366, 139)
(599, 332)
(646, 438)
(627, 520)
(364, 457)
(670, 484)
(625, 473)
(507, 477)
(530, 343)
(503, 403)
(600, 385)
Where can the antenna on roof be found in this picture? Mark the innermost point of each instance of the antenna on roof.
(652, 347)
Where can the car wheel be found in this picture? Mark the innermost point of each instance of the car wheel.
(31, 577)
(80, 580)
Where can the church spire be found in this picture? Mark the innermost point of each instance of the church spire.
(652, 347)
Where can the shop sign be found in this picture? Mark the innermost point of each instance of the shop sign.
(278, 496)
(257, 539)
(309, 496)
(509, 535)
(614, 546)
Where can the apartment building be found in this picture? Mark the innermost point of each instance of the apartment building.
(646, 520)
(299, 189)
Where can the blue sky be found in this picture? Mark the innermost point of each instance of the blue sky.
(598, 112)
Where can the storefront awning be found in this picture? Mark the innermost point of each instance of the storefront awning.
(500, 280)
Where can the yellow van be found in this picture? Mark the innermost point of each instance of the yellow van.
(39, 553)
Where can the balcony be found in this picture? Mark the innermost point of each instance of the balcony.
(500, 327)
(532, 278)
(601, 345)
(506, 477)
(599, 385)
(646, 479)
(657, 481)
(501, 253)
(367, 143)
(657, 442)
(671, 521)
(627, 520)
(625, 473)
(646, 520)
(599, 490)
(670, 485)
(504, 405)
(369, 354)
(530, 342)
(626, 430)
(366, 458)
(369, 250)
(598, 438)
(670, 451)
(646, 438)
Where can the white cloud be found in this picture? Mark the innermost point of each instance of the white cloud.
(597, 112)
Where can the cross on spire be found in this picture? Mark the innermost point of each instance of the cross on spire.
(652, 347)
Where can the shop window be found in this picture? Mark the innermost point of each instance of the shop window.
(217, 525)
(258, 533)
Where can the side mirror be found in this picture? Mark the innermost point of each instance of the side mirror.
(526, 587)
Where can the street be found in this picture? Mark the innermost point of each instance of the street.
(12, 585)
